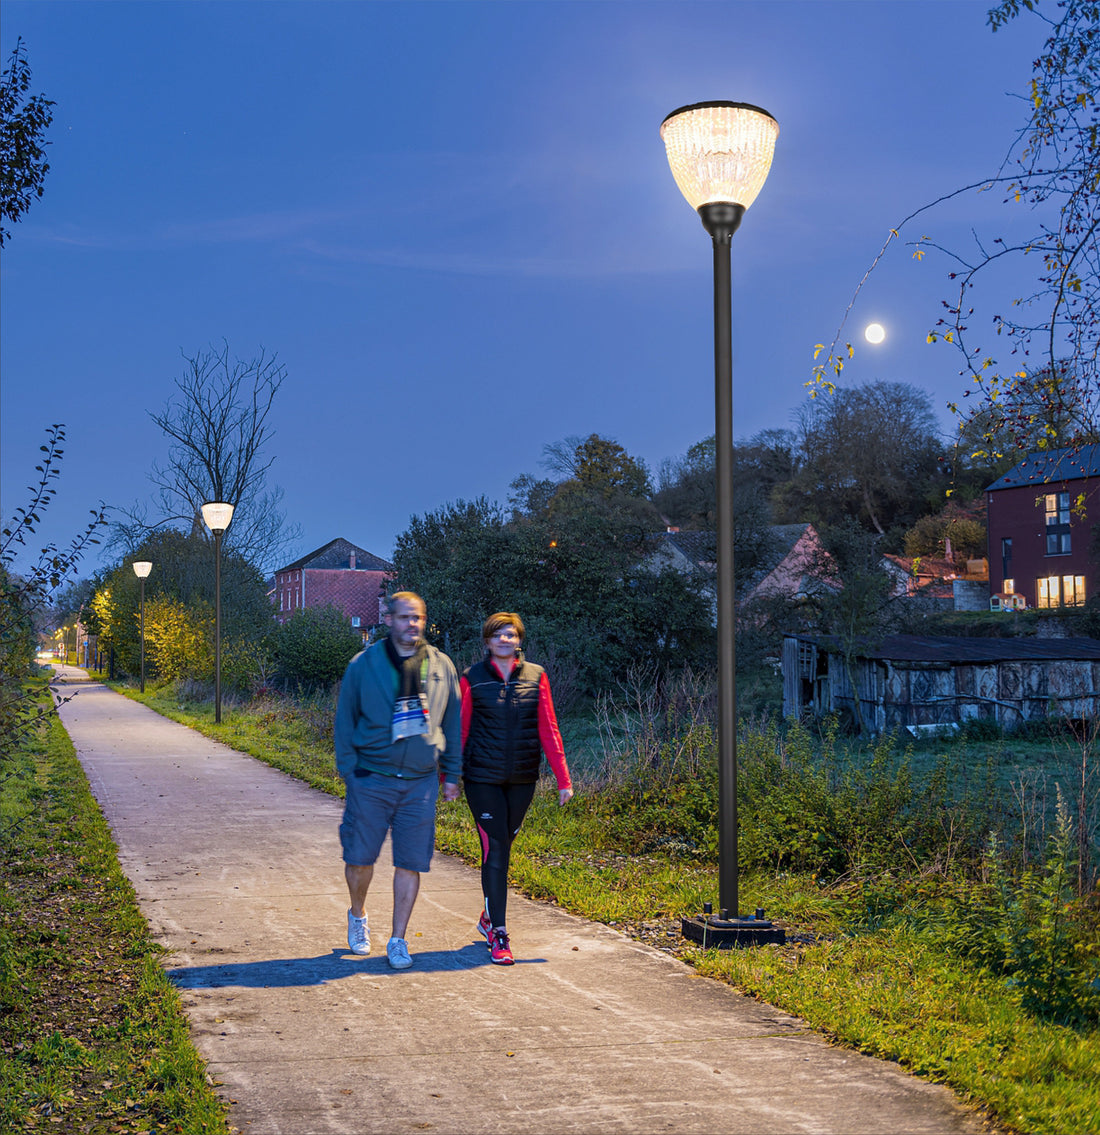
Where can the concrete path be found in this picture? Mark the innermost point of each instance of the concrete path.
(237, 869)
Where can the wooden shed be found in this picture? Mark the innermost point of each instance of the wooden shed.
(903, 681)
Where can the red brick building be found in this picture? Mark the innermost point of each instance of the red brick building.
(337, 575)
(1042, 519)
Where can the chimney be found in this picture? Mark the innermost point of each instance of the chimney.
(351, 561)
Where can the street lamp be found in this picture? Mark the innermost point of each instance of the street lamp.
(142, 568)
(720, 154)
(217, 515)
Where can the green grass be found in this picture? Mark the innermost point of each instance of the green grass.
(894, 995)
(887, 986)
(93, 1035)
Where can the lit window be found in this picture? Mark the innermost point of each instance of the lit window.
(1009, 587)
(1061, 591)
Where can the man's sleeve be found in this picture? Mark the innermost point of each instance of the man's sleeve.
(347, 711)
(451, 761)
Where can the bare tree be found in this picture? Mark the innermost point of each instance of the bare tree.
(218, 429)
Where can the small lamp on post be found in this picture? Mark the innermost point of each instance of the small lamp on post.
(217, 515)
(142, 568)
(720, 154)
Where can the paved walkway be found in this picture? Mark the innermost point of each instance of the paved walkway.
(237, 869)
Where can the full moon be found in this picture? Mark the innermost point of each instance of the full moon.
(874, 333)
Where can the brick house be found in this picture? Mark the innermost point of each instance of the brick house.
(1042, 517)
(336, 575)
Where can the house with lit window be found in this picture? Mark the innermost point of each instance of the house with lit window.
(1043, 518)
(339, 574)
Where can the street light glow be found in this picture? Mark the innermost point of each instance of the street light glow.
(720, 151)
(217, 515)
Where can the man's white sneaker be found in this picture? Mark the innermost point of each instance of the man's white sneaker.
(397, 951)
(358, 934)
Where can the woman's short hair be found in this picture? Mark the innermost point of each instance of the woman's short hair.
(501, 619)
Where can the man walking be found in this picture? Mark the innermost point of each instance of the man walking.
(398, 725)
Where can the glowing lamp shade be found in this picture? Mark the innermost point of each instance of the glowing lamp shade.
(217, 515)
(142, 568)
(720, 151)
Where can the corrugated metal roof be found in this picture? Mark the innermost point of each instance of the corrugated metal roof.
(1057, 465)
(945, 648)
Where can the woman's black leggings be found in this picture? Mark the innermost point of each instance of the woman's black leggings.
(498, 811)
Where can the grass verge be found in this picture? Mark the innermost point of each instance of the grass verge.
(93, 1037)
(890, 990)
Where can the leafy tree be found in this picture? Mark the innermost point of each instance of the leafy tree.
(23, 125)
(598, 465)
(218, 431)
(1052, 168)
(314, 646)
(867, 451)
(963, 525)
(24, 596)
(687, 493)
(455, 557)
(575, 570)
(179, 638)
(184, 574)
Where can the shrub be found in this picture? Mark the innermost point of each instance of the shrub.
(314, 646)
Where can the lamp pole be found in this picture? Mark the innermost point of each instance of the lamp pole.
(720, 154)
(217, 515)
(141, 569)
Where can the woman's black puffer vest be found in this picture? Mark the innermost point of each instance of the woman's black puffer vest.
(502, 746)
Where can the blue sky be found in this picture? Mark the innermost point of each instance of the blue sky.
(454, 224)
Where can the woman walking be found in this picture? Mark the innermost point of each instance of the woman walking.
(508, 721)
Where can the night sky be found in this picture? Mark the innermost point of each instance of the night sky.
(454, 224)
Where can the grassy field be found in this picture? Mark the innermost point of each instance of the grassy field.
(92, 1034)
(899, 960)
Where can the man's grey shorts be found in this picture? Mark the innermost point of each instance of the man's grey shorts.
(376, 804)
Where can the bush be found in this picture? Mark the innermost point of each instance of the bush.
(314, 646)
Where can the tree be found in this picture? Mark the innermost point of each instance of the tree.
(687, 492)
(962, 525)
(1047, 376)
(868, 451)
(23, 125)
(598, 464)
(22, 597)
(576, 571)
(454, 558)
(218, 431)
(183, 577)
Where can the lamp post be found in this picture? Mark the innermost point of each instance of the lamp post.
(217, 515)
(142, 568)
(720, 154)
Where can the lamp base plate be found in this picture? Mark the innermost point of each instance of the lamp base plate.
(731, 933)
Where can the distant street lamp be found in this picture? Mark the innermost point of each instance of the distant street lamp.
(142, 568)
(217, 515)
(720, 154)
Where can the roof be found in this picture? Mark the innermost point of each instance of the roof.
(700, 548)
(1051, 467)
(944, 648)
(337, 554)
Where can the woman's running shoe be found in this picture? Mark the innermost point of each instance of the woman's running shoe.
(500, 953)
